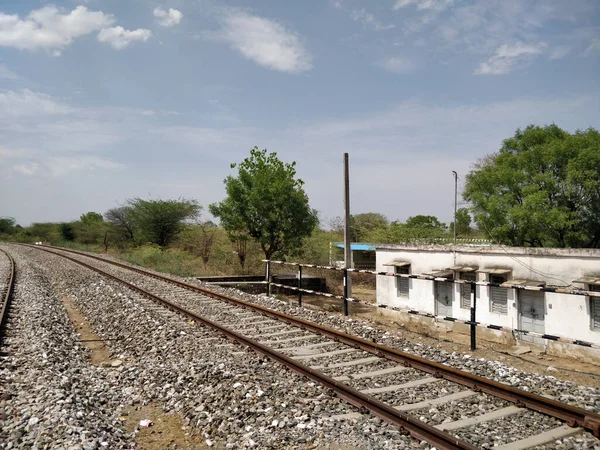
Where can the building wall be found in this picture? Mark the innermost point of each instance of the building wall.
(564, 315)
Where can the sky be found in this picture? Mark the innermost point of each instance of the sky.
(106, 100)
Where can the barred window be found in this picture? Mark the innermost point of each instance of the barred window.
(465, 289)
(595, 308)
(498, 295)
(402, 284)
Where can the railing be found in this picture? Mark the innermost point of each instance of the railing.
(473, 323)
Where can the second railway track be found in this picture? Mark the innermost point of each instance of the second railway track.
(398, 387)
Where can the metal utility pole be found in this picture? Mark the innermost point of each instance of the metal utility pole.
(347, 242)
(455, 201)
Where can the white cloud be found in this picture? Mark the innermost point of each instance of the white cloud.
(593, 47)
(398, 65)
(168, 18)
(119, 37)
(508, 57)
(48, 29)
(559, 52)
(62, 165)
(265, 42)
(28, 169)
(436, 5)
(7, 74)
(26, 103)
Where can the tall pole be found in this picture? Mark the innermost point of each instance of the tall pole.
(455, 202)
(347, 242)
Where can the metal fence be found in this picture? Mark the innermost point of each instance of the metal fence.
(473, 285)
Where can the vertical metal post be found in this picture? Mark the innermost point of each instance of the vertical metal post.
(347, 241)
(473, 314)
(268, 278)
(346, 291)
(299, 285)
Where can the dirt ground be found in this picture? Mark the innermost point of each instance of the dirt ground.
(567, 369)
(98, 351)
(167, 430)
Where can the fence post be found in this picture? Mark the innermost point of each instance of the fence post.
(299, 285)
(268, 277)
(345, 291)
(473, 311)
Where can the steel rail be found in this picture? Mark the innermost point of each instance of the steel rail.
(571, 415)
(406, 423)
(10, 285)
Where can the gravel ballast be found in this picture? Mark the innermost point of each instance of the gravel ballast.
(236, 398)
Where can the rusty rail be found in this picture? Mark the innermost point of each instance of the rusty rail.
(572, 415)
(7, 298)
(405, 422)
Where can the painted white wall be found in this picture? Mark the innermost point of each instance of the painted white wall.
(566, 315)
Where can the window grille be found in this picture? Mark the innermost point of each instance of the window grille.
(402, 284)
(595, 307)
(465, 290)
(498, 295)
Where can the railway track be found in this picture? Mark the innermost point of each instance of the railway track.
(395, 386)
(7, 278)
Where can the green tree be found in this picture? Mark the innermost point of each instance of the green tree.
(122, 220)
(422, 222)
(542, 189)
(160, 221)
(91, 218)
(44, 231)
(361, 225)
(7, 225)
(463, 222)
(66, 231)
(266, 202)
(90, 229)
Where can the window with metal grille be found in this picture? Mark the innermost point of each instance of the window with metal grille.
(402, 284)
(498, 295)
(595, 308)
(465, 290)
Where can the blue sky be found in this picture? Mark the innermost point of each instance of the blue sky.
(104, 100)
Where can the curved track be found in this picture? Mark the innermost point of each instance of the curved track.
(6, 290)
(227, 315)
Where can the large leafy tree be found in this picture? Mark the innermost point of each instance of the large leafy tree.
(7, 225)
(266, 202)
(122, 220)
(91, 228)
(361, 225)
(161, 221)
(426, 223)
(463, 222)
(542, 189)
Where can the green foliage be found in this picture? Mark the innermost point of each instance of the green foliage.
(174, 261)
(47, 232)
(361, 225)
(463, 222)
(541, 189)
(421, 222)
(201, 239)
(66, 231)
(91, 218)
(160, 221)
(267, 203)
(122, 221)
(399, 232)
(315, 249)
(7, 225)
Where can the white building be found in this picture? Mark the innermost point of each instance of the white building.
(574, 317)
